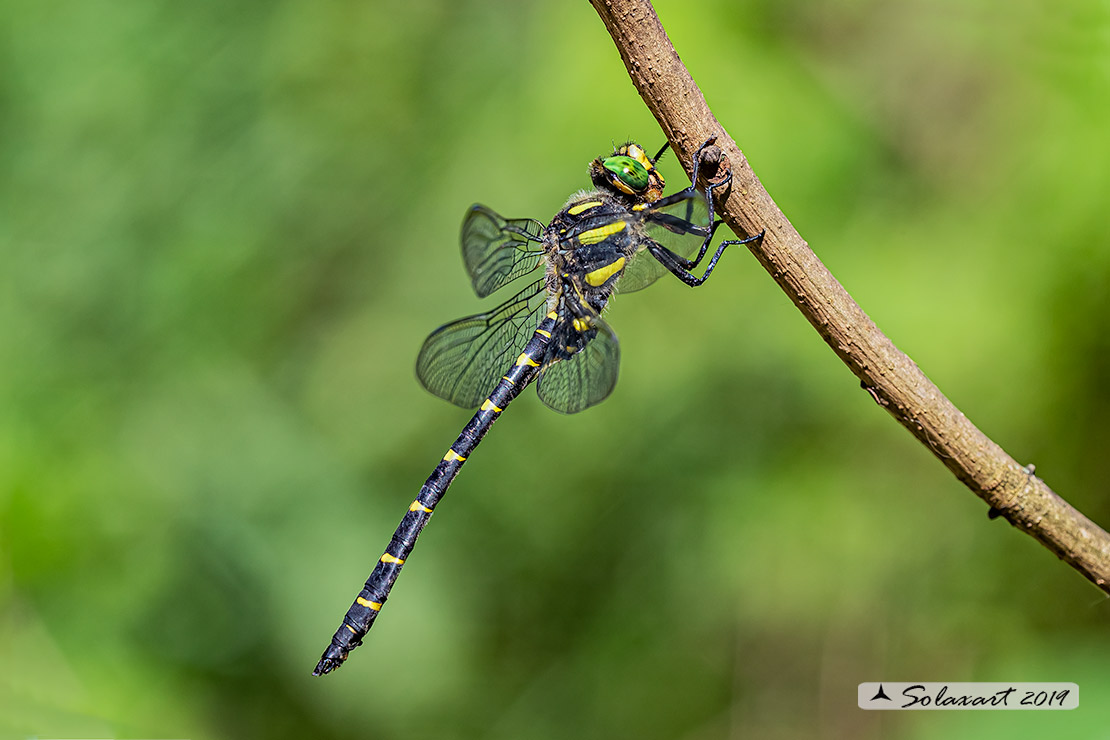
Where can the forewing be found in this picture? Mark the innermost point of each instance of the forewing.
(462, 361)
(586, 377)
(679, 222)
(497, 250)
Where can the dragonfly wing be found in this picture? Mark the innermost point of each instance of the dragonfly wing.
(461, 362)
(584, 378)
(497, 250)
(642, 271)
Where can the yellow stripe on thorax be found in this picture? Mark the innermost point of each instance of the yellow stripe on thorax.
(601, 233)
(575, 210)
(600, 275)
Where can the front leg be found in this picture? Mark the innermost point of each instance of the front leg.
(689, 264)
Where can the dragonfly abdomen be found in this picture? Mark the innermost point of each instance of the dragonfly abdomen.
(360, 617)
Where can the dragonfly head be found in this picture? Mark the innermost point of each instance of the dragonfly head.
(629, 172)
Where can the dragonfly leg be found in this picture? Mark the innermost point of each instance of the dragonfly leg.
(674, 263)
(689, 264)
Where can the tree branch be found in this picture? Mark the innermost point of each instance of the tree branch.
(889, 376)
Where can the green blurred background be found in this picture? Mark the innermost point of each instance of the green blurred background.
(226, 228)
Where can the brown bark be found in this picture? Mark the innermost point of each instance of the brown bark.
(889, 376)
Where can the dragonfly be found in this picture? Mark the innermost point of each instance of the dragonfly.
(621, 235)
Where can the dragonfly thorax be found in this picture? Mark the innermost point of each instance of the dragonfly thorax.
(587, 247)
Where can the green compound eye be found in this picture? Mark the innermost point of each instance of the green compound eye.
(631, 173)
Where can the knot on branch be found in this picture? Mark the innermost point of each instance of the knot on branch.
(714, 168)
